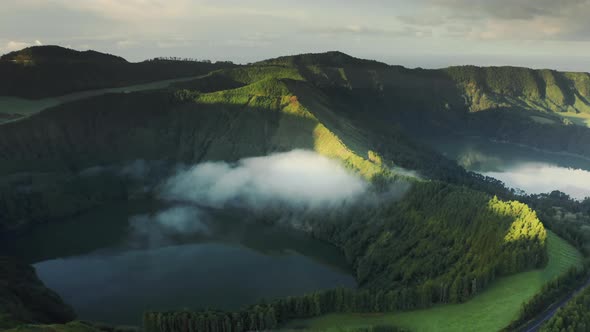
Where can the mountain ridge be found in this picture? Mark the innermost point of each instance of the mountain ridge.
(50, 71)
(57, 54)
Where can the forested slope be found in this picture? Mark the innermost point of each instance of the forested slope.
(406, 254)
(525, 106)
(270, 111)
(514, 87)
(24, 298)
(43, 71)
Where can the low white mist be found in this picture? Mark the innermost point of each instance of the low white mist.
(536, 178)
(298, 179)
(137, 169)
(158, 228)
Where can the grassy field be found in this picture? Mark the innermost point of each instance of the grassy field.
(490, 311)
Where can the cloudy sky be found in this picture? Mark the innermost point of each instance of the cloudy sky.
(424, 33)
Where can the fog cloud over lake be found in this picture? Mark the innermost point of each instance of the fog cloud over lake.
(298, 178)
(542, 178)
(159, 228)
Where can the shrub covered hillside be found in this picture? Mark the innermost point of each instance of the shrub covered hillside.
(43, 71)
(408, 254)
(260, 115)
(24, 298)
(533, 107)
(547, 90)
(440, 243)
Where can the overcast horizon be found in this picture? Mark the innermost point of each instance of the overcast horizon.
(420, 33)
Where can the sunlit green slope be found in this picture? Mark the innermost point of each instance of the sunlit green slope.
(542, 108)
(491, 310)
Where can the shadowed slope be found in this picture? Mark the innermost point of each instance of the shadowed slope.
(44, 71)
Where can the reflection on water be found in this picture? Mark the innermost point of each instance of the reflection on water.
(541, 178)
(519, 167)
(96, 263)
(117, 287)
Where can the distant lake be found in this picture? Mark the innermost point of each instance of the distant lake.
(108, 273)
(520, 167)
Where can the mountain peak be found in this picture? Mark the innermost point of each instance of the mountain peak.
(330, 59)
(58, 54)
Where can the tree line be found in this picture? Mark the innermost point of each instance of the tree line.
(574, 316)
(272, 315)
(187, 59)
(551, 292)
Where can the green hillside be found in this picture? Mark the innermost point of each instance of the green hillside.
(55, 54)
(45, 71)
(491, 310)
(24, 298)
(410, 254)
(399, 246)
(522, 104)
(539, 90)
(255, 120)
(545, 109)
(262, 115)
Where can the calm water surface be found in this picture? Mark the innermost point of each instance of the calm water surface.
(108, 272)
(519, 167)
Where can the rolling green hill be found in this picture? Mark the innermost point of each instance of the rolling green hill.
(502, 103)
(55, 54)
(44, 71)
(251, 121)
(542, 108)
(513, 87)
(265, 110)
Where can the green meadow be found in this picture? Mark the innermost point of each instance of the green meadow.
(491, 310)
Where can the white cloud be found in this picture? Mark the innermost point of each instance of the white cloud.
(127, 43)
(220, 29)
(564, 20)
(297, 178)
(158, 229)
(130, 10)
(141, 10)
